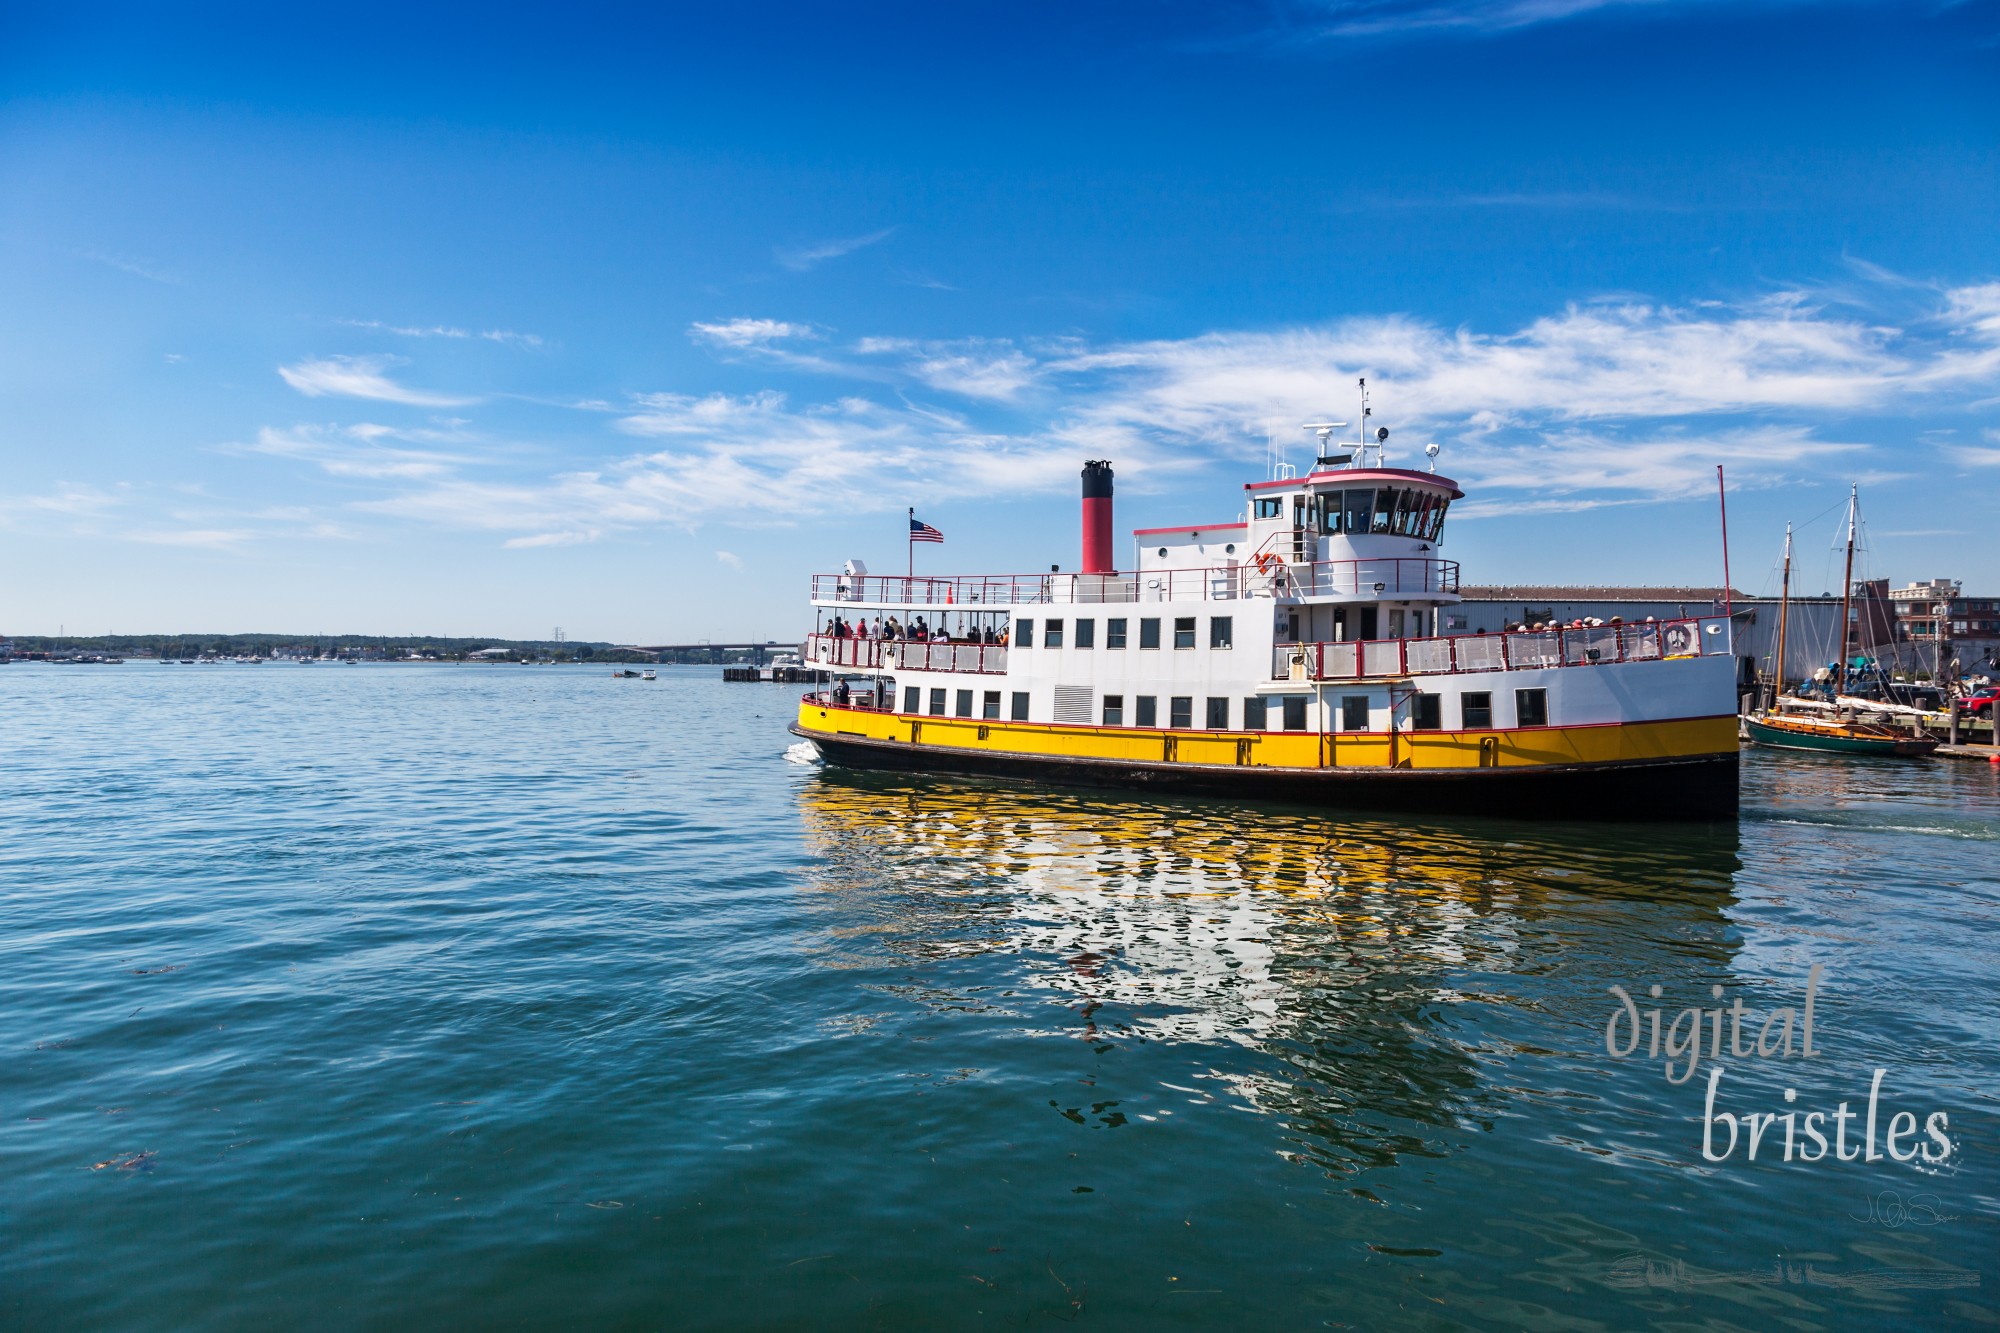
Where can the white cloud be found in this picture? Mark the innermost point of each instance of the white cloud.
(801, 258)
(1615, 402)
(730, 558)
(549, 539)
(748, 332)
(506, 336)
(212, 539)
(360, 377)
(354, 451)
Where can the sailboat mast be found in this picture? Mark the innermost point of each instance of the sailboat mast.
(1784, 617)
(1846, 595)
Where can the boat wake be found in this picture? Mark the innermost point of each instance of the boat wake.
(805, 752)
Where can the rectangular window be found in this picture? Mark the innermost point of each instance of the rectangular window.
(1086, 633)
(1221, 631)
(1020, 705)
(1114, 710)
(1531, 708)
(913, 699)
(1354, 712)
(964, 703)
(1149, 712)
(1255, 713)
(1218, 714)
(1180, 710)
(1149, 633)
(1295, 713)
(989, 707)
(1427, 712)
(1396, 623)
(1052, 633)
(937, 703)
(1271, 508)
(1114, 633)
(1183, 631)
(1475, 711)
(1024, 634)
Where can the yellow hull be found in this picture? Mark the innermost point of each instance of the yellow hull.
(1622, 743)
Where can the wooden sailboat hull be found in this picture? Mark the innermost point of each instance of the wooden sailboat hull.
(1832, 741)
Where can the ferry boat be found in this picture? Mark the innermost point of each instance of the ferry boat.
(1292, 652)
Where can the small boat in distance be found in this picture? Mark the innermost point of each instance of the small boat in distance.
(649, 675)
(624, 673)
(1792, 723)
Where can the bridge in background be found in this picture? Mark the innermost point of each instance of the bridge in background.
(759, 651)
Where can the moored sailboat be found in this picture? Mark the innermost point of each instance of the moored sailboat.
(1791, 723)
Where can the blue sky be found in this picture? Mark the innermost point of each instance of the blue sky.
(483, 321)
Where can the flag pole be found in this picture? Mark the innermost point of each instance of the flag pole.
(910, 544)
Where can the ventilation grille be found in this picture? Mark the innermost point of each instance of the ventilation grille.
(1073, 704)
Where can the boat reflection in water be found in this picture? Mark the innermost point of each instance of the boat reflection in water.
(1360, 967)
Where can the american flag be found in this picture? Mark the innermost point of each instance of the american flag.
(924, 532)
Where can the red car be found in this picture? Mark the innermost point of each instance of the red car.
(1980, 700)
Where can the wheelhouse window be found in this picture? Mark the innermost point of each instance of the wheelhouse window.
(1218, 714)
(1020, 706)
(1531, 708)
(989, 706)
(1475, 710)
(1426, 712)
(1149, 632)
(1114, 632)
(1359, 507)
(1114, 710)
(1181, 710)
(1147, 713)
(1256, 713)
(1221, 631)
(1052, 634)
(1086, 633)
(1271, 508)
(1354, 712)
(1183, 631)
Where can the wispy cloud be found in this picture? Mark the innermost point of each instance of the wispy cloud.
(1615, 402)
(541, 539)
(748, 332)
(800, 258)
(211, 539)
(361, 377)
(506, 336)
(138, 268)
(729, 558)
(355, 451)
(1305, 20)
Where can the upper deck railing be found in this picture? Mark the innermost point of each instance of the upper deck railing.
(1393, 576)
(1590, 645)
(987, 659)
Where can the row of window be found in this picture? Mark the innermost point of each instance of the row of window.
(1221, 632)
(1531, 709)
(1390, 510)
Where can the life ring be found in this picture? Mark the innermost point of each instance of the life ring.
(1267, 561)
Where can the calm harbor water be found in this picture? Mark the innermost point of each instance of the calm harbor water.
(342, 997)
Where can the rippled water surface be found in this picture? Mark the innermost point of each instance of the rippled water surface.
(341, 997)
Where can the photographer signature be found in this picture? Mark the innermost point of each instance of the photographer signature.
(1890, 1209)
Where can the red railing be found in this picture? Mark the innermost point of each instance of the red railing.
(987, 659)
(1393, 576)
(1591, 645)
